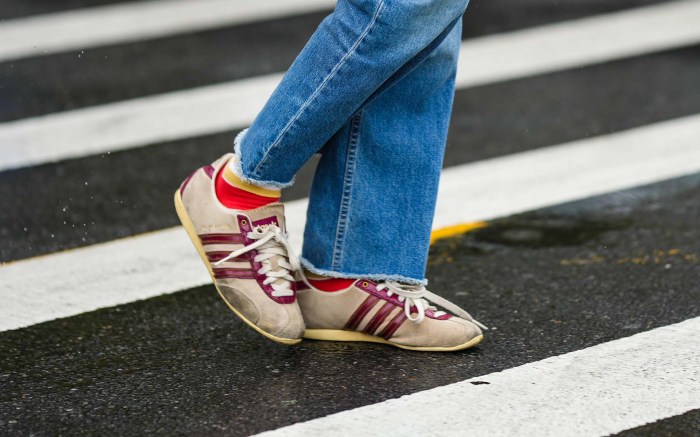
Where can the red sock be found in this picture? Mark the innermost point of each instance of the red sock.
(331, 284)
(234, 193)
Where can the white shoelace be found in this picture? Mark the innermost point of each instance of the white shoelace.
(271, 241)
(418, 296)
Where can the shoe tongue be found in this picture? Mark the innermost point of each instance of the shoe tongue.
(272, 214)
(269, 215)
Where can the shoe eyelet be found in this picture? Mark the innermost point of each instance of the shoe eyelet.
(365, 284)
(244, 222)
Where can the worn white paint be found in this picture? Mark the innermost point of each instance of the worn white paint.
(133, 21)
(579, 42)
(217, 108)
(592, 392)
(583, 168)
(132, 123)
(68, 283)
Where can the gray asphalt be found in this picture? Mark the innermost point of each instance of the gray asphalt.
(550, 281)
(683, 425)
(89, 76)
(108, 196)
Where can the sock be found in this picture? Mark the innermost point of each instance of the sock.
(325, 283)
(234, 193)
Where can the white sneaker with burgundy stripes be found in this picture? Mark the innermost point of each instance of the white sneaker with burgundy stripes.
(389, 313)
(247, 255)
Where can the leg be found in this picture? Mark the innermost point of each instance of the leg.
(386, 98)
(370, 215)
(361, 48)
(373, 197)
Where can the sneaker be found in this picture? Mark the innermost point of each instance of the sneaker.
(246, 253)
(388, 313)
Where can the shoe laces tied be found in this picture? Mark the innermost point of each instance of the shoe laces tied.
(271, 241)
(420, 297)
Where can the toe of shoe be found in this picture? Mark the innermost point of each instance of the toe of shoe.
(462, 332)
(286, 322)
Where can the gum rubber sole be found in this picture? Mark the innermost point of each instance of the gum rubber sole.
(189, 227)
(342, 335)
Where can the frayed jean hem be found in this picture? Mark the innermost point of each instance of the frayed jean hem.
(238, 168)
(371, 276)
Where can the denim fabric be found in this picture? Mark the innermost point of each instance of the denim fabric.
(373, 91)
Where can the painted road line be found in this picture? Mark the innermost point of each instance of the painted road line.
(452, 230)
(595, 391)
(524, 181)
(132, 123)
(71, 282)
(222, 107)
(579, 42)
(133, 21)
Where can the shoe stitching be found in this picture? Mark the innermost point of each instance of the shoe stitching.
(346, 197)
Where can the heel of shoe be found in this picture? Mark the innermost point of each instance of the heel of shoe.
(191, 232)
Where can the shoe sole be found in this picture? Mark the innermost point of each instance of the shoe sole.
(189, 227)
(342, 335)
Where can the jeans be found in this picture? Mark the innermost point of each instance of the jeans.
(372, 91)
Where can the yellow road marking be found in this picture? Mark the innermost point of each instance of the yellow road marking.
(451, 231)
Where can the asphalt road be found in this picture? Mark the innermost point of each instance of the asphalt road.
(549, 281)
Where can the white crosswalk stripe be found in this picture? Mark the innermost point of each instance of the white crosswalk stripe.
(600, 390)
(135, 268)
(579, 42)
(209, 109)
(124, 22)
(596, 391)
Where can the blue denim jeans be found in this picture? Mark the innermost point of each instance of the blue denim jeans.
(372, 91)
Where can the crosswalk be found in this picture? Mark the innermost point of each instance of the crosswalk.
(66, 276)
(604, 381)
(132, 268)
(118, 23)
(208, 109)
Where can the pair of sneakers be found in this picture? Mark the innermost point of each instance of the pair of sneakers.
(255, 271)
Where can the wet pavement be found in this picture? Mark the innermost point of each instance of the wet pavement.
(94, 203)
(85, 77)
(684, 425)
(548, 282)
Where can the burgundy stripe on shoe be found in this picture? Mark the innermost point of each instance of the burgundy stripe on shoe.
(221, 238)
(361, 312)
(224, 273)
(379, 318)
(395, 323)
(184, 184)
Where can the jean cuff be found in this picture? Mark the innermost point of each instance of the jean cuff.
(371, 276)
(238, 168)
